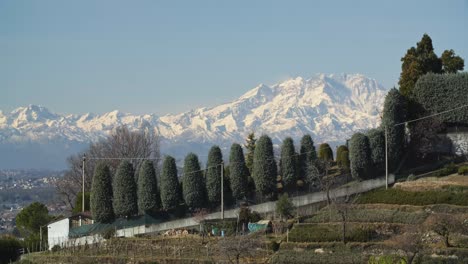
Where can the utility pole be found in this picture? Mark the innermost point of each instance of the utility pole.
(40, 238)
(386, 158)
(222, 190)
(83, 191)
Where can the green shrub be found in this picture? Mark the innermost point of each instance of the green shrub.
(274, 246)
(463, 170)
(387, 259)
(9, 249)
(108, 233)
(411, 177)
(447, 170)
(55, 248)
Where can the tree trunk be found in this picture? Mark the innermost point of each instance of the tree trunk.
(446, 241)
(411, 257)
(343, 218)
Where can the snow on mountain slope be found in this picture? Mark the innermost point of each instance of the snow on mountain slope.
(329, 107)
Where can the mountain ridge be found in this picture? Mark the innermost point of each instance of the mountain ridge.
(327, 106)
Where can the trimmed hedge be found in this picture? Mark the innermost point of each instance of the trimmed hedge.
(455, 196)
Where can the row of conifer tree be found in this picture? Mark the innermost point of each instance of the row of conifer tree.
(256, 173)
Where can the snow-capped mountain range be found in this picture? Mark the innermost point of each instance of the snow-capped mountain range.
(330, 107)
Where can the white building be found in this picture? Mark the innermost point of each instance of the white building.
(59, 230)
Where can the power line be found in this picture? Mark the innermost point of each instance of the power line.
(429, 116)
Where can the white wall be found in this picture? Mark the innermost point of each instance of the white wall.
(58, 232)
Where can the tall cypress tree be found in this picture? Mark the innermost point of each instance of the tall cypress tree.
(264, 170)
(360, 156)
(101, 195)
(193, 183)
(288, 163)
(325, 152)
(170, 189)
(394, 112)
(125, 191)
(338, 154)
(307, 157)
(213, 176)
(238, 172)
(377, 145)
(148, 192)
(250, 146)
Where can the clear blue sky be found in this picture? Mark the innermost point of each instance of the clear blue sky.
(155, 57)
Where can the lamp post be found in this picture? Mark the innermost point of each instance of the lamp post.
(83, 191)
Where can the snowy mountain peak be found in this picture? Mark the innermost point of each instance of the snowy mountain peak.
(330, 107)
(31, 113)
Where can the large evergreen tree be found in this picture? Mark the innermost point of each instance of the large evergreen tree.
(394, 112)
(193, 183)
(30, 218)
(170, 189)
(422, 59)
(360, 156)
(238, 172)
(101, 195)
(307, 157)
(288, 163)
(418, 61)
(264, 170)
(125, 191)
(213, 176)
(148, 192)
(325, 152)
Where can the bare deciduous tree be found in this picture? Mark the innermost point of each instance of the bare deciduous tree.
(122, 143)
(200, 216)
(319, 177)
(238, 248)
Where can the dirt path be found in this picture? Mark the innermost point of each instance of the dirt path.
(433, 183)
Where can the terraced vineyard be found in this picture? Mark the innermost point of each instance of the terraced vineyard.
(374, 231)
